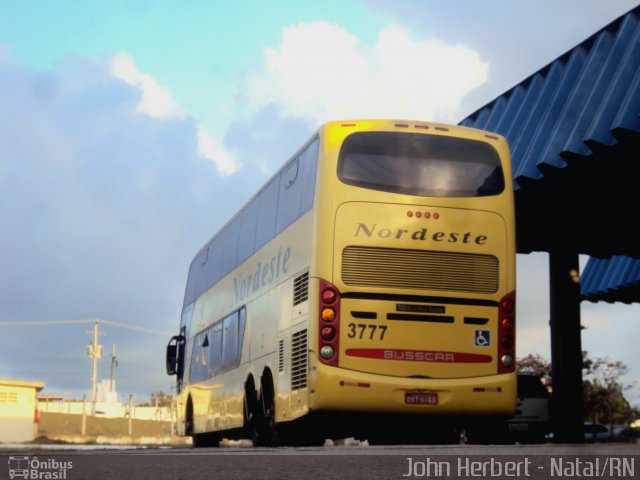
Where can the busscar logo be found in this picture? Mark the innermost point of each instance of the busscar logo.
(421, 234)
(36, 469)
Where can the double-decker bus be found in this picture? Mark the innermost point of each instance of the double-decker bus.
(368, 285)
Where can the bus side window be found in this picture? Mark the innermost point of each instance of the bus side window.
(199, 358)
(215, 348)
(288, 197)
(230, 247)
(248, 220)
(195, 279)
(267, 206)
(185, 320)
(308, 167)
(230, 341)
(290, 174)
(241, 326)
(213, 266)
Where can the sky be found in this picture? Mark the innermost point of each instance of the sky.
(131, 130)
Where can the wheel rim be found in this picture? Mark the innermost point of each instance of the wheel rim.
(269, 421)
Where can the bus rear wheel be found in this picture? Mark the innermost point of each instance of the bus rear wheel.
(266, 432)
(251, 413)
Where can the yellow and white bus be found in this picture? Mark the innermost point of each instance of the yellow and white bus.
(370, 283)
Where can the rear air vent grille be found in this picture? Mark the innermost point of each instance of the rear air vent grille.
(301, 288)
(420, 269)
(299, 360)
(281, 356)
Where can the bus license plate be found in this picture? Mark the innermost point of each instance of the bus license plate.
(420, 398)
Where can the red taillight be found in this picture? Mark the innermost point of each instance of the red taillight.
(329, 296)
(329, 323)
(506, 333)
(506, 324)
(508, 342)
(328, 333)
(36, 415)
(508, 305)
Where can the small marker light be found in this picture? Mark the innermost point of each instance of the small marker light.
(327, 352)
(328, 314)
(507, 360)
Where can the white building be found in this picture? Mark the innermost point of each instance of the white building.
(18, 410)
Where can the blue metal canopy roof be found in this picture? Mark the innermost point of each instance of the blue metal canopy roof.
(613, 280)
(582, 98)
(574, 132)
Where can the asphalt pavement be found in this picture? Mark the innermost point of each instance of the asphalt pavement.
(358, 462)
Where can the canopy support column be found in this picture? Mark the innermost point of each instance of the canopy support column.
(567, 404)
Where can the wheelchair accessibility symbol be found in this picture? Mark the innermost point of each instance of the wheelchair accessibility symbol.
(482, 338)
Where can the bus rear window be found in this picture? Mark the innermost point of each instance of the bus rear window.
(416, 164)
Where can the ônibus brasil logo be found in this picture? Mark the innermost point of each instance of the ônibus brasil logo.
(33, 468)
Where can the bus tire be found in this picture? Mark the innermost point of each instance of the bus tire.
(251, 411)
(199, 440)
(188, 418)
(267, 435)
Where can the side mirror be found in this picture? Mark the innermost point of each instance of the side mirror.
(172, 355)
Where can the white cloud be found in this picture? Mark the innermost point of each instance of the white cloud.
(322, 72)
(156, 100)
(107, 202)
(210, 149)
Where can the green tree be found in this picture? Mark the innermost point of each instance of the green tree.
(603, 389)
(537, 365)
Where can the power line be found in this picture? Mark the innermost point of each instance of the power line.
(95, 349)
(21, 372)
(135, 327)
(72, 322)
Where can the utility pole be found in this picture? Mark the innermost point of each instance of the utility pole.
(114, 363)
(94, 352)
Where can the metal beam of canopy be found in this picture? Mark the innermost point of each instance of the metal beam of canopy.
(574, 131)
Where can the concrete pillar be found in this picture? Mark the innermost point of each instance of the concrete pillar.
(567, 405)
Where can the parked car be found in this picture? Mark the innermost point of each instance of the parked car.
(599, 432)
(531, 422)
(626, 433)
(596, 432)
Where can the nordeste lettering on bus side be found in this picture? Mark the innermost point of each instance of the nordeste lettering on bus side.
(262, 275)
